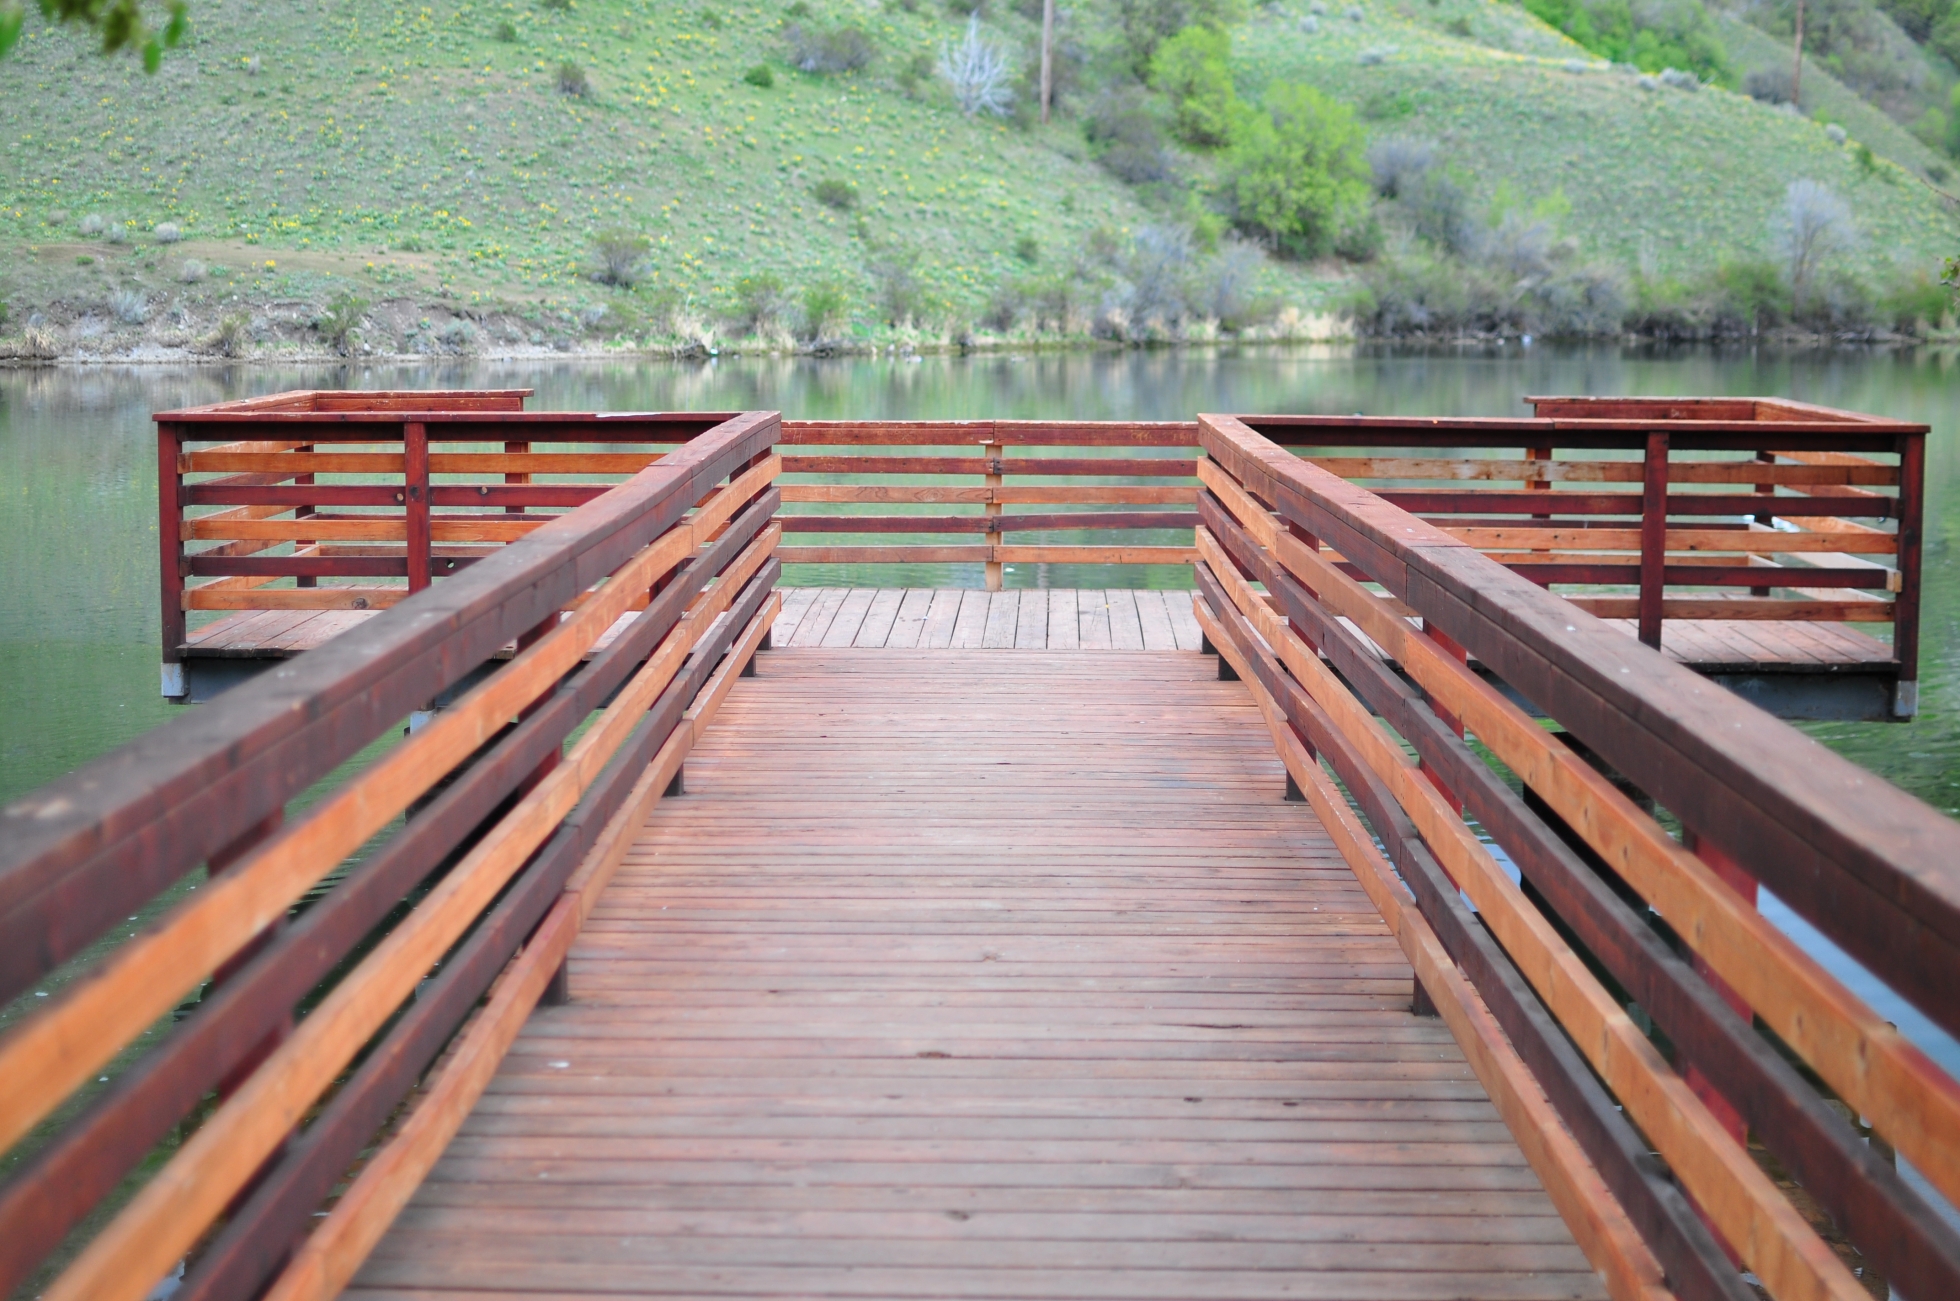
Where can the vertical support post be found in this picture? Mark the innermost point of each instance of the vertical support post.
(1764, 517)
(302, 512)
(517, 476)
(1905, 605)
(993, 452)
(170, 558)
(415, 501)
(1653, 538)
(1536, 484)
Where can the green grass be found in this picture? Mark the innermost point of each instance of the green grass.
(1663, 180)
(405, 151)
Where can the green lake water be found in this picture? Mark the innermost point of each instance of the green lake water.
(78, 545)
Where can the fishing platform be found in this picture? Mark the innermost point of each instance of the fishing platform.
(1259, 856)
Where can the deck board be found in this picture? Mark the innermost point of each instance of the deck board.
(983, 973)
(1060, 618)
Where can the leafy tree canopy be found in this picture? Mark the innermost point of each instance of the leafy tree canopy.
(1295, 169)
(122, 24)
(1193, 69)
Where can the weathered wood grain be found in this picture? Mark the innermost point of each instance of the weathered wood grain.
(834, 1034)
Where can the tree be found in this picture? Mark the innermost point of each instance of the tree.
(1193, 68)
(1146, 24)
(1295, 172)
(120, 23)
(1814, 224)
(977, 71)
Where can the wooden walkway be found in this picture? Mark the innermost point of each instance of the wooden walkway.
(983, 975)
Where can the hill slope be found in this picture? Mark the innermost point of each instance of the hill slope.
(413, 155)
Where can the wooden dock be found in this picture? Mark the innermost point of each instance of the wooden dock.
(984, 975)
(1295, 935)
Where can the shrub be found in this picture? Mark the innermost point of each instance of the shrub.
(915, 73)
(835, 192)
(1813, 225)
(506, 31)
(1006, 305)
(1915, 304)
(1193, 70)
(828, 49)
(760, 303)
(1125, 138)
(93, 224)
(190, 271)
(130, 306)
(710, 20)
(895, 280)
(1225, 288)
(232, 334)
(168, 232)
(825, 309)
(1768, 85)
(562, 6)
(1146, 24)
(572, 80)
(760, 76)
(977, 71)
(1295, 172)
(118, 233)
(621, 256)
(342, 317)
(1438, 209)
(1395, 163)
(1028, 249)
(1652, 35)
(1680, 79)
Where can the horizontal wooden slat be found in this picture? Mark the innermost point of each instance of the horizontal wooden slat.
(1009, 522)
(1739, 607)
(1118, 467)
(1500, 501)
(1013, 433)
(1010, 494)
(1762, 542)
(1513, 471)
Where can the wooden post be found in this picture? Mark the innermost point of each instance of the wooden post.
(1765, 517)
(993, 452)
(170, 558)
(1796, 72)
(1905, 605)
(1047, 58)
(1653, 539)
(301, 512)
(415, 501)
(516, 449)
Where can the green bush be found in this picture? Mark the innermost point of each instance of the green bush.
(338, 323)
(572, 80)
(1193, 70)
(1651, 36)
(760, 303)
(825, 309)
(621, 256)
(835, 192)
(1294, 174)
(1143, 25)
(1028, 249)
(506, 31)
(760, 76)
(1916, 304)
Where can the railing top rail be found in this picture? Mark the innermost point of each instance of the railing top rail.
(1621, 431)
(1872, 867)
(167, 801)
(275, 418)
(313, 400)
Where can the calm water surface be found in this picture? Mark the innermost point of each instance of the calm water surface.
(78, 545)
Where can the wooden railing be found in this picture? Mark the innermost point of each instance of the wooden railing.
(1023, 480)
(1729, 509)
(351, 948)
(377, 493)
(1612, 916)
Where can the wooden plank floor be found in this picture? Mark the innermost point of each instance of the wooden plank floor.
(978, 974)
(1068, 619)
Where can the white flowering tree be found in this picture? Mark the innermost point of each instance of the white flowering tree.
(977, 71)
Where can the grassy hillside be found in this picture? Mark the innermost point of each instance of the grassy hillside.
(1664, 180)
(426, 159)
